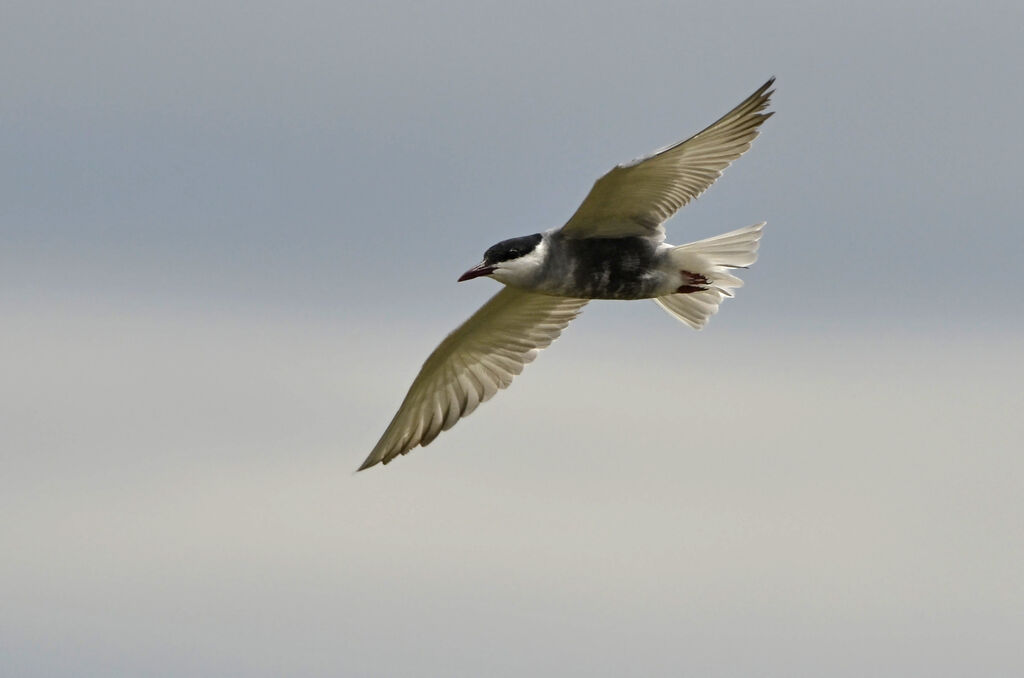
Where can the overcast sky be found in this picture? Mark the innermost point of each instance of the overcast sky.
(230, 236)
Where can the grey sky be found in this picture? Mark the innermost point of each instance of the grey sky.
(259, 155)
(230, 235)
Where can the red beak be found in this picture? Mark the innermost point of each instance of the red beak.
(477, 271)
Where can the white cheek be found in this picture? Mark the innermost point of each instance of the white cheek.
(509, 273)
(524, 270)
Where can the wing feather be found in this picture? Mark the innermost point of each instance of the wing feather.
(473, 363)
(635, 198)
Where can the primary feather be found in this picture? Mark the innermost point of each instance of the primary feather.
(472, 364)
(635, 198)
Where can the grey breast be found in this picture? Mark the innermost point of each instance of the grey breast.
(603, 268)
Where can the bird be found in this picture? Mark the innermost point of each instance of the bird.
(612, 247)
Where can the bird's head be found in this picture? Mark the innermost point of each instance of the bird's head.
(510, 261)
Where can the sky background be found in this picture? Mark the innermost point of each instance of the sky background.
(231, 234)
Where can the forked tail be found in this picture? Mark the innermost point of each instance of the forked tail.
(705, 267)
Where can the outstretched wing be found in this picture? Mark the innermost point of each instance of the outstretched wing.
(472, 363)
(635, 198)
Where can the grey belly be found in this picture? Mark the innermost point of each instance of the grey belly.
(610, 268)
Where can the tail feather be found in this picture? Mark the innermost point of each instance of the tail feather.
(735, 249)
(711, 258)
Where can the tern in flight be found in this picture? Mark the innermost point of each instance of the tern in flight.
(613, 247)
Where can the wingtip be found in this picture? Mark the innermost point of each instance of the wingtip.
(370, 461)
(765, 91)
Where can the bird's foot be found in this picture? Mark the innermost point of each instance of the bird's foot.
(692, 282)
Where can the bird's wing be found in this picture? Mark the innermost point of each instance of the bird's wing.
(472, 363)
(635, 198)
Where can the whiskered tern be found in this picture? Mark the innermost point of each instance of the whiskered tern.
(613, 247)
